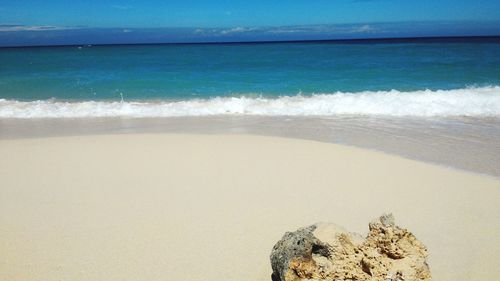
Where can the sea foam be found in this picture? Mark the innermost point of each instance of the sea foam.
(481, 102)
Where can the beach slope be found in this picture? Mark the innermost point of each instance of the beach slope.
(210, 207)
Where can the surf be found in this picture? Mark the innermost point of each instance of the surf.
(472, 101)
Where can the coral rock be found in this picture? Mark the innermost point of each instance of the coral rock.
(329, 252)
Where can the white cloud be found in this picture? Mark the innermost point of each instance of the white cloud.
(12, 28)
(364, 29)
(314, 29)
(284, 29)
(301, 29)
(224, 31)
(236, 30)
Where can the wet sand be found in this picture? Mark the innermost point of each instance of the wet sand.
(465, 143)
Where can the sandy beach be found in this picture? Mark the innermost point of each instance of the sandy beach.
(210, 207)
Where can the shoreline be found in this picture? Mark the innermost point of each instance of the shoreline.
(462, 143)
(191, 207)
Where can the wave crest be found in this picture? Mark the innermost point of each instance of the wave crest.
(484, 101)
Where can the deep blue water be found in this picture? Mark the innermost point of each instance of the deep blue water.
(403, 78)
(145, 72)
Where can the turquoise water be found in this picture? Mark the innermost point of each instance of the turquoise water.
(164, 74)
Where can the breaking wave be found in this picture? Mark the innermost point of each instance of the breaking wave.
(483, 101)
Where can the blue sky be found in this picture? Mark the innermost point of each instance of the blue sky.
(91, 21)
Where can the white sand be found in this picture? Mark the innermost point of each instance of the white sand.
(191, 207)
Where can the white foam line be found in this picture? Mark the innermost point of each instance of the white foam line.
(484, 101)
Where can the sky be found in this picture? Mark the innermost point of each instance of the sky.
(39, 22)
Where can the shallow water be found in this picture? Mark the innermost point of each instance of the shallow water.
(471, 144)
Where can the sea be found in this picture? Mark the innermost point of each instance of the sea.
(419, 77)
(431, 99)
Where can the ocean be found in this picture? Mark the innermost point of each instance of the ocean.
(418, 77)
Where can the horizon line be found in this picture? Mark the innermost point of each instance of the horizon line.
(381, 40)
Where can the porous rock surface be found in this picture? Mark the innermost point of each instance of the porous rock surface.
(329, 252)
